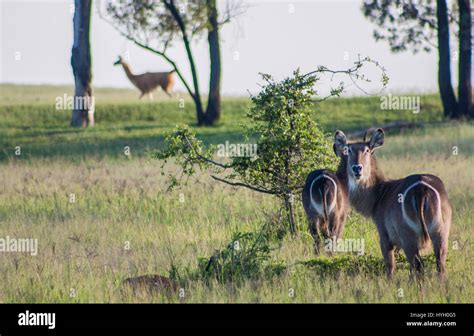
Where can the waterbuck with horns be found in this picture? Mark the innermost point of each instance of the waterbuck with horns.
(326, 203)
(408, 212)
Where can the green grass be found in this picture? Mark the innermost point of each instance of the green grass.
(123, 200)
(31, 121)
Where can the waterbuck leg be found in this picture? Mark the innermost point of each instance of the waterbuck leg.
(388, 255)
(315, 233)
(414, 258)
(336, 226)
(440, 247)
(167, 90)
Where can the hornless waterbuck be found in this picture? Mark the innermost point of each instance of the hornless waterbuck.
(149, 81)
(326, 203)
(408, 212)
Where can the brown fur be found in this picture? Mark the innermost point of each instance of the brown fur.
(374, 196)
(327, 222)
(149, 81)
(152, 283)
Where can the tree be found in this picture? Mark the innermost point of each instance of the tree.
(213, 110)
(465, 59)
(289, 142)
(156, 25)
(419, 25)
(83, 111)
(444, 64)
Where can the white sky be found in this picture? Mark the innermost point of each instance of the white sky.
(268, 38)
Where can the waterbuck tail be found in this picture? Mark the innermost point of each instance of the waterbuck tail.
(422, 206)
(329, 199)
(325, 205)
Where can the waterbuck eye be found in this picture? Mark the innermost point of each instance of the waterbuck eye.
(367, 150)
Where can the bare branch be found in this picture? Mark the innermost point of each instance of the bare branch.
(233, 9)
(240, 184)
(353, 74)
(324, 69)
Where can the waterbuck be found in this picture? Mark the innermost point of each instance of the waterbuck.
(326, 203)
(408, 212)
(149, 81)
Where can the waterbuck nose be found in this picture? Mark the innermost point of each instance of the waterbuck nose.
(357, 169)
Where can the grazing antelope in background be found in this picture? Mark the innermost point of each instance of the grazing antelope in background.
(326, 203)
(149, 81)
(408, 212)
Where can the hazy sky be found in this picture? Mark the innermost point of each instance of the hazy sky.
(273, 37)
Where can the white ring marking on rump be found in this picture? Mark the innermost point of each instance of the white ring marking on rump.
(318, 206)
(417, 226)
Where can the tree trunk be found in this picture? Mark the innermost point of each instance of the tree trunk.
(291, 214)
(197, 95)
(83, 109)
(465, 61)
(213, 111)
(199, 110)
(444, 65)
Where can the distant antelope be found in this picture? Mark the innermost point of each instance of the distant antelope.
(408, 212)
(149, 81)
(326, 203)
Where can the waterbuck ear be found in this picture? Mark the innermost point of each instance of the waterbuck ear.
(340, 142)
(377, 138)
(340, 139)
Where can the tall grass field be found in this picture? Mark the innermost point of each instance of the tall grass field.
(100, 210)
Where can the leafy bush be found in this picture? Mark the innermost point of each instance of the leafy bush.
(245, 256)
(289, 144)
